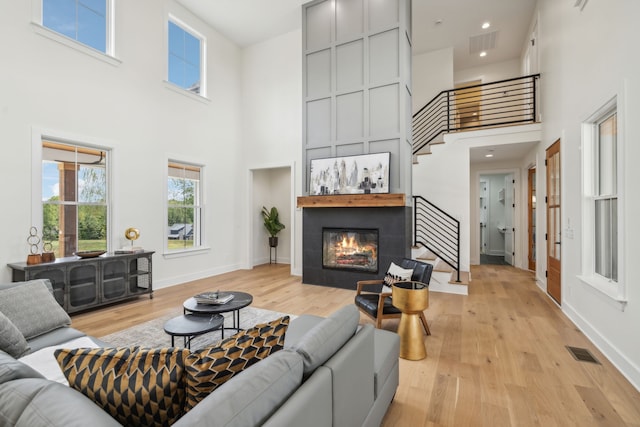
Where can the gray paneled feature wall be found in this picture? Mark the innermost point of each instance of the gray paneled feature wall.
(357, 83)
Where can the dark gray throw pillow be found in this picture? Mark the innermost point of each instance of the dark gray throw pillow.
(11, 339)
(32, 308)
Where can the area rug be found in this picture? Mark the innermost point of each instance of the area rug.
(152, 334)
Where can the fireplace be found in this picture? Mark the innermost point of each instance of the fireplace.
(350, 249)
(393, 242)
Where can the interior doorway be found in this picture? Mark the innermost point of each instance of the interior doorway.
(271, 187)
(496, 207)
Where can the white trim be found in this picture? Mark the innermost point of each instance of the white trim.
(184, 92)
(615, 291)
(203, 247)
(203, 54)
(250, 261)
(627, 367)
(37, 135)
(108, 56)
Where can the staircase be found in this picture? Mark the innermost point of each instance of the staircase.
(496, 104)
(437, 241)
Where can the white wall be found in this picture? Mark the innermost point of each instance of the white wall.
(128, 107)
(432, 72)
(272, 125)
(581, 69)
(489, 73)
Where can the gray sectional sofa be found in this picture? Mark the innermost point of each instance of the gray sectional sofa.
(331, 372)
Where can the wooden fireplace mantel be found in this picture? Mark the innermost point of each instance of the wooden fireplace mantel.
(352, 201)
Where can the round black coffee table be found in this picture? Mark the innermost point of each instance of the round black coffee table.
(190, 326)
(240, 300)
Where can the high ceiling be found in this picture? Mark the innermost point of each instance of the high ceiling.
(250, 21)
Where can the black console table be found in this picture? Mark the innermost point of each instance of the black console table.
(83, 283)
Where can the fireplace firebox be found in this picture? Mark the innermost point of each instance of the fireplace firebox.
(350, 249)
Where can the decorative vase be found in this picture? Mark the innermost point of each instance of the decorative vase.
(273, 242)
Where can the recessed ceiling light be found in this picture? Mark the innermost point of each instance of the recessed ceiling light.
(438, 21)
(488, 155)
(483, 54)
(486, 25)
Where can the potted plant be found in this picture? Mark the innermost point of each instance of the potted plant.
(272, 224)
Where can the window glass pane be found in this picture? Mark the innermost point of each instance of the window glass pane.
(81, 20)
(176, 40)
(51, 228)
(183, 211)
(606, 238)
(92, 29)
(92, 227)
(192, 50)
(607, 156)
(98, 6)
(60, 16)
(184, 58)
(92, 184)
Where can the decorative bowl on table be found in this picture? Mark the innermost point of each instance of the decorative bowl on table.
(89, 254)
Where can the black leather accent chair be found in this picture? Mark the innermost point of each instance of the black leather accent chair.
(378, 305)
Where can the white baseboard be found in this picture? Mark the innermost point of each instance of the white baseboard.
(626, 367)
(178, 280)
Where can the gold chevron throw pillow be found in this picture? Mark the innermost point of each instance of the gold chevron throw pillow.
(211, 367)
(136, 386)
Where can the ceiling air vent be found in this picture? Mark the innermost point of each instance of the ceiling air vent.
(482, 42)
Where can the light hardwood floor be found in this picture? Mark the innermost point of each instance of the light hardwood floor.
(496, 357)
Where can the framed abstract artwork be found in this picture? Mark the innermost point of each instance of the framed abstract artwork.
(363, 174)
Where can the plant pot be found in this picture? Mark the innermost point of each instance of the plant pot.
(273, 242)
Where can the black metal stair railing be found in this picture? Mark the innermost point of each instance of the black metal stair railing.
(502, 103)
(437, 231)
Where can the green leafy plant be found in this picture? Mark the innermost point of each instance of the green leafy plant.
(271, 221)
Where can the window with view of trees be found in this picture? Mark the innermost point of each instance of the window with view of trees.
(184, 209)
(74, 198)
(85, 21)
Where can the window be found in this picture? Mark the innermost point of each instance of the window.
(184, 206)
(185, 58)
(605, 198)
(601, 153)
(85, 21)
(74, 198)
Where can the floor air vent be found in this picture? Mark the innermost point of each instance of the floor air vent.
(582, 355)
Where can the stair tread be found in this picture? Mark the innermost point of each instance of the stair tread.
(442, 266)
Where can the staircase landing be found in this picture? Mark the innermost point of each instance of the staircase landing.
(443, 281)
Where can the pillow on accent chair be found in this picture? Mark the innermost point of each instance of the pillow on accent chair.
(211, 367)
(11, 339)
(136, 386)
(397, 274)
(32, 308)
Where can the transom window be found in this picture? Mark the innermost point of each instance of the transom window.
(85, 21)
(184, 206)
(185, 58)
(74, 198)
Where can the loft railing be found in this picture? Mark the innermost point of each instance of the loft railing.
(501, 103)
(437, 231)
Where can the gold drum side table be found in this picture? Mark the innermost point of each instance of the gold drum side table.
(411, 298)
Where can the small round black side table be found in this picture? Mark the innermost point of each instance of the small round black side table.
(190, 326)
(240, 300)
